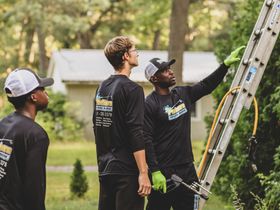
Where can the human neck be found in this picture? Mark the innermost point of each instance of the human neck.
(126, 70)
(162, 91)
(28, 112)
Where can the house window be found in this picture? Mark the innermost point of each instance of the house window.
(196, 111)
(193, 110)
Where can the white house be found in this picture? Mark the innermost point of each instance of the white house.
(77, 73)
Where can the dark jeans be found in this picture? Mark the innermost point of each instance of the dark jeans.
(180, 198)
(119, 192)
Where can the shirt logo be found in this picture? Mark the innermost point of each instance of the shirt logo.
(104, 111)
(176, 110)
(5, 154)
(103, 104)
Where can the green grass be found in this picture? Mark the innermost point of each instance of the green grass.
(66, 153)
(58, 193)
(59, 197)
(198, 147)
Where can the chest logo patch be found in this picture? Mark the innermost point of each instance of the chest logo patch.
(104, 111)
(177, 110)
(6, 148)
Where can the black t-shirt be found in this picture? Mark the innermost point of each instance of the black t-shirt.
(23, 152)
(118, 125)
(167, 123)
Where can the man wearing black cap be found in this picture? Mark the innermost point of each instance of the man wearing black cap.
(167, 131)
(23, 143)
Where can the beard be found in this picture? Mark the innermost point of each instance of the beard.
(166, 84)
(41, 107)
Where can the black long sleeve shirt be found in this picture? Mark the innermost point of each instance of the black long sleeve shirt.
(23, 153)
(118, 125)
(167, 122)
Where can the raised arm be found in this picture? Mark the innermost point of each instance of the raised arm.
(207, 85)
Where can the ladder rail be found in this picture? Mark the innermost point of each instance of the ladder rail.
(249, 75)
(239, 77)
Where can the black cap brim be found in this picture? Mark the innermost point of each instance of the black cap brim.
(164, 65)
(45, 82)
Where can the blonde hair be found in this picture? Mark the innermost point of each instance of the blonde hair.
(115, 49)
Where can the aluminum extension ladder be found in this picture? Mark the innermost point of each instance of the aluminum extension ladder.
(248, 77)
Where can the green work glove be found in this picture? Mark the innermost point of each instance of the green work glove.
(159, 181)
(233, 57)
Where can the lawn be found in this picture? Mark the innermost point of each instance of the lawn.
(61, 154)
(66, 153)
(59, 197)
(58, 192)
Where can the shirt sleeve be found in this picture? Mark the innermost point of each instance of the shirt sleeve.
(207, 85)
(35, 177)
(148, 136)
(134, 118)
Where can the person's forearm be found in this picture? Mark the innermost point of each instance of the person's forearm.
(214, 79)
(151, 156)
(140, 159)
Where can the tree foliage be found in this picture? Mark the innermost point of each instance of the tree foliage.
(32, 29)
(235, 168)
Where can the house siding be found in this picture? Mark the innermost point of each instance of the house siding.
(83, 94)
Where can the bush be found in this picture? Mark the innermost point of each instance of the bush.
(271, 185)
(79, 183)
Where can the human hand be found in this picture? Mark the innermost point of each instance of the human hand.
(144, 184)
(233, 57)
(159, 181)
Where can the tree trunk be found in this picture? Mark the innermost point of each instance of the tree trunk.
(28, 43)
(156, 40)
(178, 28)
(43, 60)
(84, 40)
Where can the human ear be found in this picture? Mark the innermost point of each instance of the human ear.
(125, 56)
(153, 79)
(33, 97)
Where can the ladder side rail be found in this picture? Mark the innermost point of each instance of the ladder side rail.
(244, 96)
(241, 72)
(274, 34)
(229, 128)
(222, 146)
(218, 129)
(252, 43)
(240, 76)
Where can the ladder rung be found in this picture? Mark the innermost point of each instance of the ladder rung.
(258, 32)
(269, 3)
(211, 151)
(247, 61)
(222, 121)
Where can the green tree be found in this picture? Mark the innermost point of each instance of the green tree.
(235, 168)
(79, 183)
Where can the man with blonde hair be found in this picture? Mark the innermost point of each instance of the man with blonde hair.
(118, 127)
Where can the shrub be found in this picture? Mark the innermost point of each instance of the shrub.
(79, 183)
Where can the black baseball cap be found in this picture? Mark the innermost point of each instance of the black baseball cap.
(156, 64)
